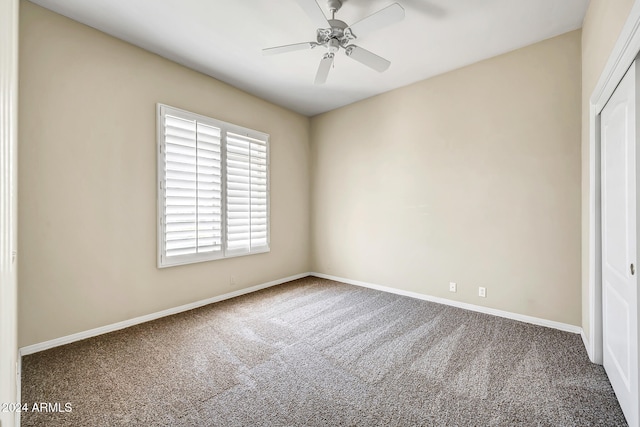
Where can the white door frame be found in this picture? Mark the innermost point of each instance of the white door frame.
(624, 52)
(8, 207)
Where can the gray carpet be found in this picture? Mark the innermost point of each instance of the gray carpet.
(316, 352)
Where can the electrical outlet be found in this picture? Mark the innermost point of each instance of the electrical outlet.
(482, 292)
(453, 287)
(232, 281)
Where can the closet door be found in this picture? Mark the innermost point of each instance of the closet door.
(619, 238)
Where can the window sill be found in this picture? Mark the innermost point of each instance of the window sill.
(198, 260)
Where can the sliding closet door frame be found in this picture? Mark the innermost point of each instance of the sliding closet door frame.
(621, 58)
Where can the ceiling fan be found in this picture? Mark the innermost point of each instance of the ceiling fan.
(334, 35)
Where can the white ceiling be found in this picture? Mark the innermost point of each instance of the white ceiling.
(224, 39)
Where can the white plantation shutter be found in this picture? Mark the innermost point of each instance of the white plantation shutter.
(200, 217)
(209, 189)
(246, 204)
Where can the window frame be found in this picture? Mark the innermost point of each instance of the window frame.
(164, 261)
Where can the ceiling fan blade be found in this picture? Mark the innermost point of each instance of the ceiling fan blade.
(323, 69)
(367, 58)
(288, 48)
(315, 13)
(382, 18)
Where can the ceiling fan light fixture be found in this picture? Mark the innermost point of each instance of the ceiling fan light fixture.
(333, 45)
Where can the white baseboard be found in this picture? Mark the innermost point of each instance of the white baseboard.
(34, 348)
(500, 313)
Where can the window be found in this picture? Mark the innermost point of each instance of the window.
(213, 189)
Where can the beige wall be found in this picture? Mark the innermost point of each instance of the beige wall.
(472, 176)
(601, 29)
(87, 198)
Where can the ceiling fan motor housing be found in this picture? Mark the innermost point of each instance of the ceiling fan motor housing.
(336, 32)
